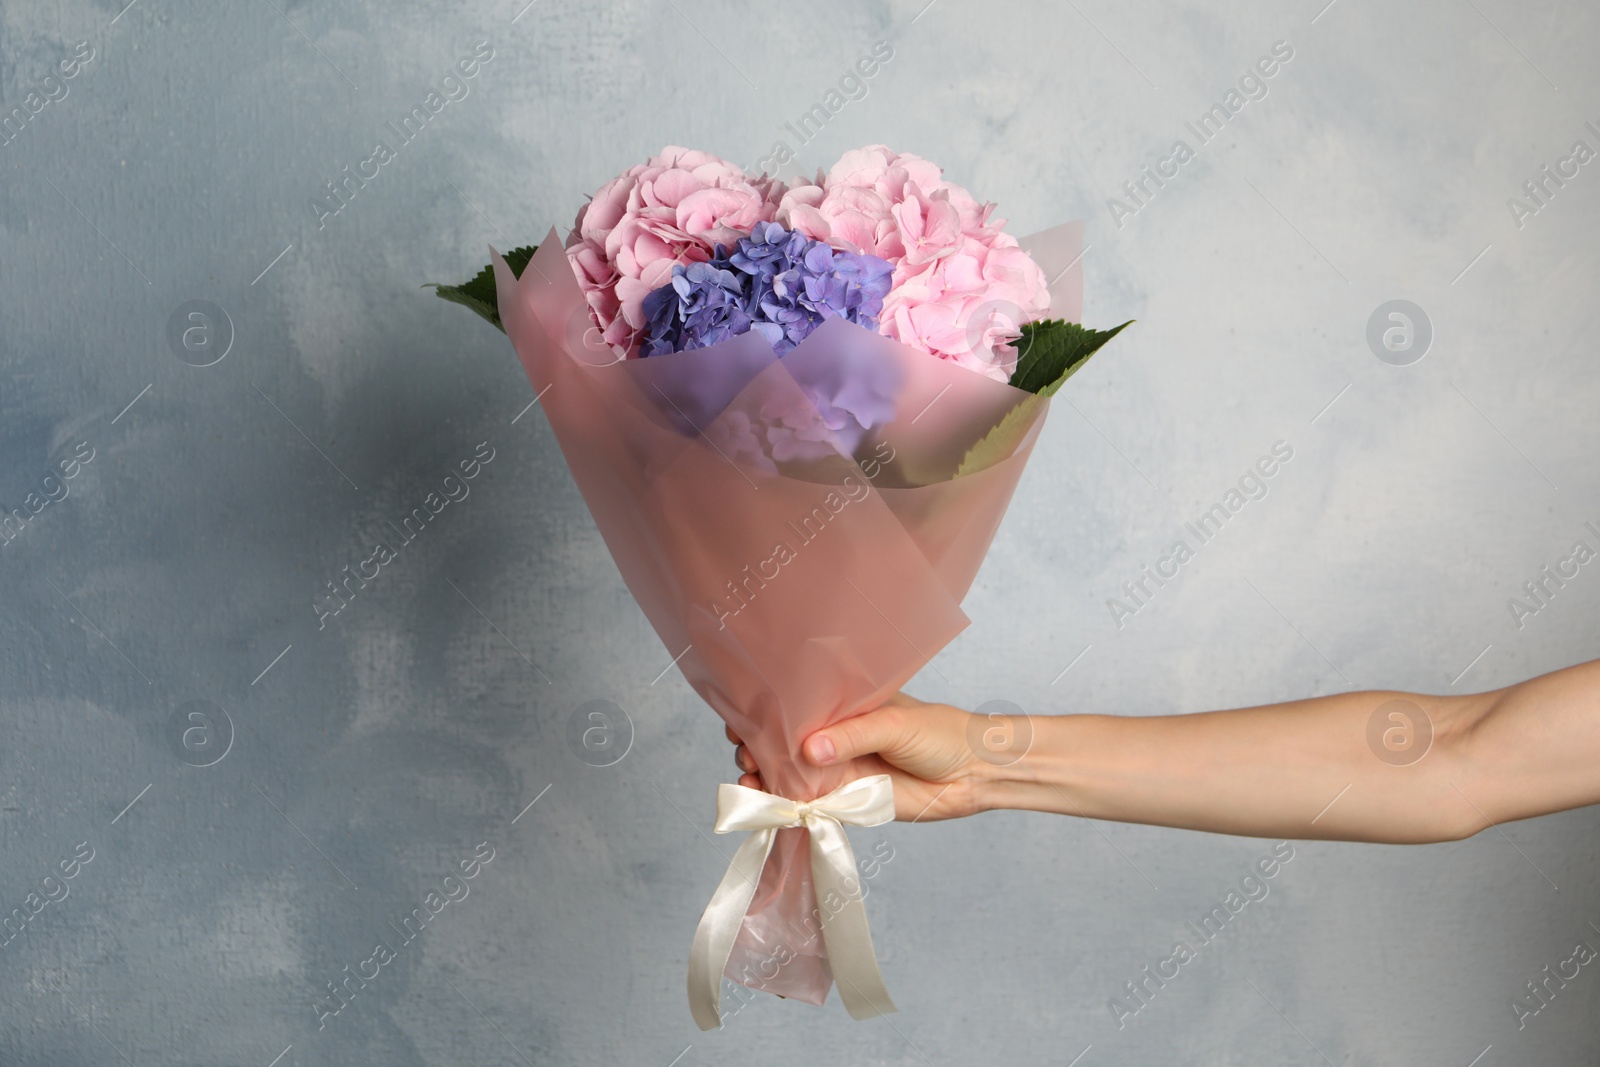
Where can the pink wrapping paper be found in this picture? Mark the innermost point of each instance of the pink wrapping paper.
(804, 590)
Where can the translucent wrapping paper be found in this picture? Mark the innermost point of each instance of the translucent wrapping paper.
(793, 527)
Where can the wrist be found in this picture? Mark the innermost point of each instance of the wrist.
(1036, 772)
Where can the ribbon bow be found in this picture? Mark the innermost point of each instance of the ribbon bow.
(863, 802)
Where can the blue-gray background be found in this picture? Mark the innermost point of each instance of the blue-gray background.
(360, 762)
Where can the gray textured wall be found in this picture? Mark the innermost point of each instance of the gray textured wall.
(353, 766)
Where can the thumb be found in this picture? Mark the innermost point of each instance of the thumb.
(873, 731)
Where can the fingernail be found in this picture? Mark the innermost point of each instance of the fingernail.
(822, 750)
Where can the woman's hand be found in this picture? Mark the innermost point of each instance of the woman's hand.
(1368, 765)
(923, 747)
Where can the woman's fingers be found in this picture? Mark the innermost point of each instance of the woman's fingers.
(745, 761)
(731, 735)
(875, 731)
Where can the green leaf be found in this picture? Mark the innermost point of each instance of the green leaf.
(478, 294)
(1051, 351)
(1001, 442)
(1048, 353)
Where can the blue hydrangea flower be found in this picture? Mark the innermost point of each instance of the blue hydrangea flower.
(705, 301)
(776, 281)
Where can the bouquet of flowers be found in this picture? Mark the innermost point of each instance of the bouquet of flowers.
(797, 413)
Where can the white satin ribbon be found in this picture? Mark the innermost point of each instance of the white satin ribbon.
(863, 802)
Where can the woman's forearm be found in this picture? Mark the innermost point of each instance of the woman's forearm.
(1321, 768)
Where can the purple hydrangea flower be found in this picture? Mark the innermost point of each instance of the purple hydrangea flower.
(704, 301)
(776, 281)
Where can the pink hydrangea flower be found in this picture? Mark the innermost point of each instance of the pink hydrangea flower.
(962, 286)
(674, 209)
